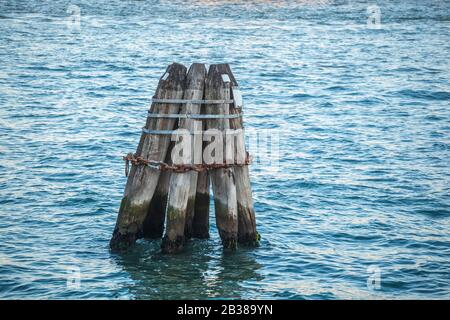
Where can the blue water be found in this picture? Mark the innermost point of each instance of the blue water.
(363, 117)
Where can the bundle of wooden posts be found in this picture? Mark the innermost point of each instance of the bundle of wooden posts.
(161, 191)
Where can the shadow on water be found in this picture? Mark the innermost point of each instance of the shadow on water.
(202, 271)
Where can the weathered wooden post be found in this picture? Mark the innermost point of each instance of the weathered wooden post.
(197, 144)
(191, 205)
(142, 180)
(247, 234)
(181, 201)
(200, 224)
(181, 187)
(222, 179)
(153, 227)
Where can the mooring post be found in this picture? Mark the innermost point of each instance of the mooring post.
(180, 198)
(153, 227)
(222, 179)
(200, 224)
(142, 180)
(247, 234)
(195, 225)
(191, 204)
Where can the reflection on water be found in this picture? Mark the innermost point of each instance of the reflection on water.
(202, 271)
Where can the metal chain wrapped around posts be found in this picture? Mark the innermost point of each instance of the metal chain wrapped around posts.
(179, 168)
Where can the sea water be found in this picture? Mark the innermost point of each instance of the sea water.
(354, 203)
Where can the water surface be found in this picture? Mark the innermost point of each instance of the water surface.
(362, 114)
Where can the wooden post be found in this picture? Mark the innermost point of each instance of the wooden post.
(197, 220)
(153, 227)
(200, 224)
(180, 197)
(142, 180)
(247, 234)
(191, 204)
(222, 180)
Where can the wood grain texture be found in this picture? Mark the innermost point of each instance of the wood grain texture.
(142, 180)
(181, 198)
(153, 227)
(247, 234)
(200, 223)
(222, 180)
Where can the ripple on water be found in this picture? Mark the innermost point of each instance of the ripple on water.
(362, 118)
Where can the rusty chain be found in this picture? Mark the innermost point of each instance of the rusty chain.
(179, 168)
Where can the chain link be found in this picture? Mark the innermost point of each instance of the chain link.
(179, 168)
